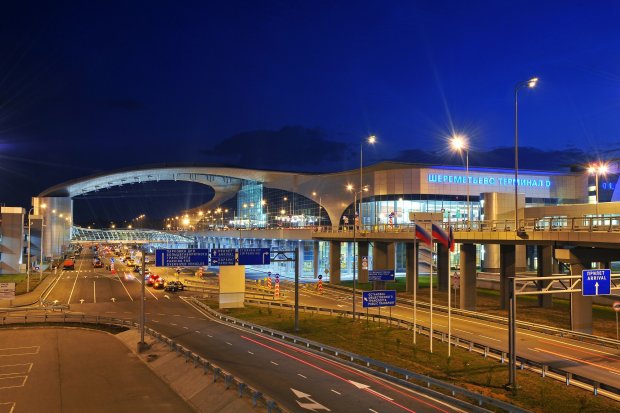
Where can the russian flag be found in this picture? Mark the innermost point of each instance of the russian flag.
(441, 236)
(422, 235)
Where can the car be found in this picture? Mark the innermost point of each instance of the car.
(174, 286)
(97, 263)
(151, 279)
(68, 264)
(146, 271)
(129, 262)
(159, 283)
(137, 268)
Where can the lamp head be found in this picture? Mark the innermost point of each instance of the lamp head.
(349, 187)
(532, 82)
(372, 139)
(458, 142)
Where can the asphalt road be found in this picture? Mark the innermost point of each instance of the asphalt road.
(286, 373)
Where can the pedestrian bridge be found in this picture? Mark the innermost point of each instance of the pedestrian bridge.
(136, 236)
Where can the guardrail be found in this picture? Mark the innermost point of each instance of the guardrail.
(544, 370)
(579, 224)
(556, 331)
(258, 398)
(387, 371)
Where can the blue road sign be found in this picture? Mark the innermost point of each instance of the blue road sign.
(223, 256)
(188, 257)
(596, 282)
(254, 256)
(320, 276)
(379, 298)
(381, 275)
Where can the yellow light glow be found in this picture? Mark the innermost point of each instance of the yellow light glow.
(186, 221)
(532, 82)
(200, 213)
(313, 193)
(458, 143)
(372, 139)
(349, 187)
(282, 211)
(43, 206)
(129, 226)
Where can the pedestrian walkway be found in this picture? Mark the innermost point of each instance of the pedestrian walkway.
(34, 296)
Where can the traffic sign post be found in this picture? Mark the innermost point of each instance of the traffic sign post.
(254, 256)
(616, 307)
(186, 257)
(223, 256)
(596, 282)
(277, 289)
(379, 298)
(364, 263)
(7, 291)
(381, 275)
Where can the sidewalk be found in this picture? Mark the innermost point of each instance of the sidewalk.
(33, 297)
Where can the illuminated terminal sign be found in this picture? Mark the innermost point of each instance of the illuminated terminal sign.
(488, 180)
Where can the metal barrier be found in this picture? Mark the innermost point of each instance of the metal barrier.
(569, 378)
(258, 398)
(375, 367)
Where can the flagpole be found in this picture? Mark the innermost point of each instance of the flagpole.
(415, 285)
(431, 293)
(449, 302)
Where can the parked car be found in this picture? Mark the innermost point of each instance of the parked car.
(174, 286)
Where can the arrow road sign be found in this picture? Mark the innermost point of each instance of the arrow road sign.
(379, 298)
(183, 257)
(596, 282)
(223, 256)
(254, 256)
(381, 275)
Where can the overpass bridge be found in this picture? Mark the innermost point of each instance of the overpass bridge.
(134, 236)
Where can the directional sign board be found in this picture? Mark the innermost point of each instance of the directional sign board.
(7, 291)
(379, 298)
(254, 256)
(381, 275)
(188, 257)
(223, 256)
(596, 282)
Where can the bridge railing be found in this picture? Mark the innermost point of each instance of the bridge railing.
(576, 224)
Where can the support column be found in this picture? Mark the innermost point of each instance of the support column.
(544, 255)
(315, 258)
(467, 298)
(580, 305)
(443, 268)
(410, 258)
(362, 252)
(507, 267)
(334, 262)
(384, 259)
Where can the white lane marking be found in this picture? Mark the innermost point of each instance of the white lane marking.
(11, 382)
(13, 369)
(274, 363)
(72, 288)
(161, 314)
(373, 410)
(250, 352)
(198, 332)
(302, 376)
(209, 335)
(12, 405)
(187, 328)
(338, 393)
(489, 338)
(176, 315)
(123, 284)
(230, 344)
(94, 292)
(54, 285)
(173, 324)
(127, 312)
(613, 372)
(191, 317)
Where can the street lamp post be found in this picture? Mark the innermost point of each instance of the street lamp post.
(29, 242)
(597, 169)
(350, 188)
(459, 143)
(531, 83)
(371, 140)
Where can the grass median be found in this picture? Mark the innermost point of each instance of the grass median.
(395, 346)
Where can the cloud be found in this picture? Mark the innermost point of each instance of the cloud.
(292, 147)
(502, 157)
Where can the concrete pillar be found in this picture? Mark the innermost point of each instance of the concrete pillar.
(580, 305)
(57, 231)
(315, 258)
(411, 258)
(300, 262)
(384, 254)
(12, 246)
(362, 252)
(334, 262)
(443, 268)
(467, 299)
(507, 267)
(544, 255)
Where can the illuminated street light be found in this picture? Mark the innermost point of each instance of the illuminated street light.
(530, 83)
(459, 143)
(597, 169)
(370, 140)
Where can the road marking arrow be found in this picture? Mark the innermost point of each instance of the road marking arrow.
(368, 389)
(81, 301)
(166, 296)
(313, 405)
(55, 302)
(113, 299)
